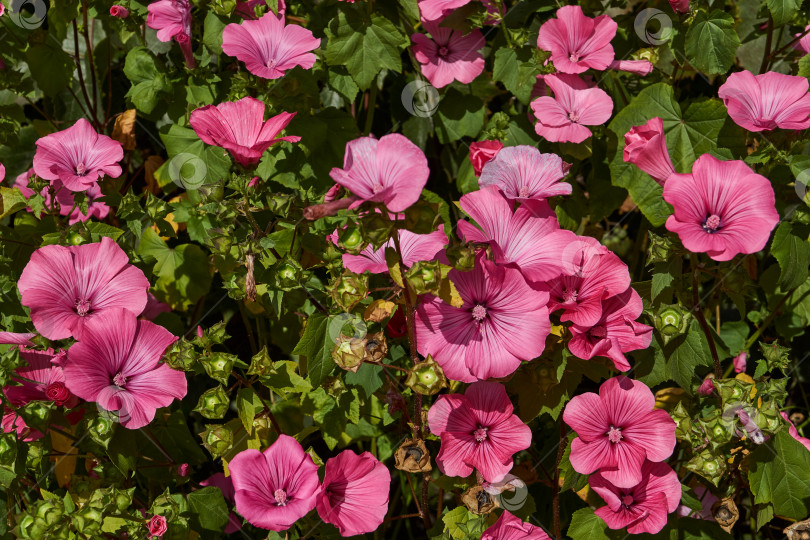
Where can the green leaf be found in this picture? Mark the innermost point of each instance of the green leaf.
(516, 71)
(342, 82)
(792, 252)
(99, 230)
(779, 473)
(215, 162)
(212, 33)
(315, 345)
(365, 47)
(209, 507)
(459, 115)
(284, 379)
(123, 450)
(804, 66)
(11, 200)
(368, 377)
(783, 11)
(685, 353)
(50, 67)
(247, 403)
(586, 524)
(711, 42)
(148, 79)
(461, 524)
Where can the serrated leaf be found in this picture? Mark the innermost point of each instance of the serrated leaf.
(711, 42)
(209, 508)
(792, 252)
(459, 115)
(11, 200)
(50, 67)
(586, 524)
(316, 347)
(685, 353)
(783, 11)
(516, 71)
(247, 403)
(779, 473)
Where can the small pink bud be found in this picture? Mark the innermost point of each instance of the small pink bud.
(119, 11)
(183, 470)
(740, 362)
(199, 331)
(253, 182)
(707, 387)
(157, 526)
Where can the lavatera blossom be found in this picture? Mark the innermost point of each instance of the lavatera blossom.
(415, 247)
(768, 101)
(645, 147)
(478, 431)
(523, 173)
(574, 106)
(578, 42)
(448, 55)
(617, 430)
(511, 527)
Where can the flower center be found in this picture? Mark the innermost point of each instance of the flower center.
(377, 187)
(281, 497)
(574, 56)
(627, 500)
(573, 116)
(82, 307)
(271, 64)
(598, 331)
(614, 434)
(712, 224)
(120, 380)
(479, 312)
(443, 51)
(524, 192)
(57, 393)
(569, 296)
(80, 169)
(480, 434)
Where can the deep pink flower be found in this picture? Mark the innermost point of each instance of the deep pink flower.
(276, 487)
(482, 153)
(391, 170)
(637, 67)
(479, 431)
(803, 44)
(615, 333)
(2, 172)
(765, 102)
(563, 118)
(646, 147)
(240, 128)
(268, 47)
(169, 18)
(154, 307)
(2, 9)
(117, 364)
(795, 432)
(707, 500)
(225, 485)
(591, 274)
(722, 208)
(119, 11)
(578, 42)
(680, 6)
(415, 247)
(183, 470)
(740, 362)
(17, 338)
(448, 55)
(247, 8)
(157, 526)
(433, 10)
(510, 527)
(530, 237)
(66, 287)
(642, 508)
(487, 336)
(354, 493)
(617, 430)
(522, 173)
(78, 156)
(65, 199)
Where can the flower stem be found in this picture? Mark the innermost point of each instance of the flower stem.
(702, 318)
(555, 501)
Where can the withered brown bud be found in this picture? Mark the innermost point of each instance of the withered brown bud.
(726, 513)
(349, 352)
(478, 501)
(413, 456)
(799, 530)
(379, 310)
(376, 348)
(797, 418)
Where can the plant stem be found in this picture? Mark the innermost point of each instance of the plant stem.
(90, 105)
(89, 46)
(768, 320)
(702, 318)
(766, 56)
(555, 500)
(372, 102)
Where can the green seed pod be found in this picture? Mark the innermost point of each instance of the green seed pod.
(660, 249)
(181, 355)
(101, 429)
(261, 364)
(279, 203)
(421, 217)
(35, 455)
(288, 274)
(424, 277)
(217, 439)
(426, 377)
(87, 521)
(708, 465)
(351, 239)
(776, 356)
(461, 256)
(349, 352)
(349, 289)
(672, 321)
(8, 449)
(219, 365)
(684, 427)
(213, 403)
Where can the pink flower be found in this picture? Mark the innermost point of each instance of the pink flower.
(479, 431)
(740, 362)
(482, 153)
(637, 67)
(117, 364)
(646, 147)
(487, 336)
(530, 238)
(66, 287)
(795, 432)
(2, 172)
(119, 11)
(225, 485)
(765, 102)
(183, 470)
(169, 18)
(65, 199)
(563, 118)
(276, 487)
(78, 156)
(591, 273)
(154, 307)
(415, 247)
(448, 55)
(433, 10)
(680, 6)
(15, 338)
(578, 42)
(268, 47)
(354, 493)
(240, 128)
(642, 508)
(707, 500)
(157, 526)
(247, 8)
(522, 173)
(510, 527)
(391, 170)
(617, 430)
(803, 44)
(615, 333)
(722, 208)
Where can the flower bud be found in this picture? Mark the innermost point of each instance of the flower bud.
(421, 217)
(335, 387)
(181, 355)
(119, 11)
(672, 321)
(660, 249)
(426, 377)
(351, 239)
(219, 365)
(349, 289)
(279, 203)
(213, 403)
(88, 521)
(349, 352)
(478, 501)
(217, 439)
(35, 455)
(397, 326)
(376, 348)
(412, 456)
(776, 356)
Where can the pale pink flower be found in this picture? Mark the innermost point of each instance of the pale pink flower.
(615, 333)
(795, 432)
(646, 147)
(448, 55)
(636, 67)
(169, 18)
(119, 11)
(65, 199)
(680, 6)
(415, 247)
(511, 527)
(765, 102)
(578, 42)
(523, 173)
(268, 47)
(707, 500)
(240, 128)
(66, 287)
(277, 487)
(722, 208)
(486, 337)
(354, 494)
(225, 485)
(78, 156)
(117, 364)
(803, 44)
(563, 118)
(478, 430)
(617, 430)
(740, 362)
(157, 526)
(529, 238)
(642, 508)
(482, 153)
